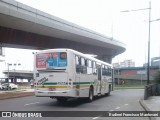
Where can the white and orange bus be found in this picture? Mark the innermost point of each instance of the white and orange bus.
(66, 73)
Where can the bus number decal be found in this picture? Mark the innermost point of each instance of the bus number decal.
(43, 80)
(61, 83)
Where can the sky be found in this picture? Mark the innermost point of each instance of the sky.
(105, 17)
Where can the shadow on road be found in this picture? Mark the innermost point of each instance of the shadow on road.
(75, 102)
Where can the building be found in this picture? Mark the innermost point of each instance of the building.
(145, 64)
(155, 61)
(2, 54)
(125, 63)
(134, 75)
(116, 65)
(2, 60)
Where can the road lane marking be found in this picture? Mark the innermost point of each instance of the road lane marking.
(111, 110)
(125, 104)
(31, 103)
(96, 117)
(117, 107)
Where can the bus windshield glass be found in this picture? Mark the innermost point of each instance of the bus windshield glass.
(52, 60)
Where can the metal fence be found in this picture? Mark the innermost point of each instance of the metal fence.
(151, 90)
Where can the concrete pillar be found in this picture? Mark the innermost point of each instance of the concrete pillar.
(12, 80)
(105, 58)
(15, 80)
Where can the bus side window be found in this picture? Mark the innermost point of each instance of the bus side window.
(90, 63)
(89, 67)
(77, 60)
(86, 62)
(78, 64)
(82, 61)
(104, 72)
(94, 68)
(109, 71)
(83, 65)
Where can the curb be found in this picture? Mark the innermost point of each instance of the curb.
(141, 101)
(8, 95)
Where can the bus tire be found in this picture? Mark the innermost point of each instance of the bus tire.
(90, 97)
(62, 99)
(109, 90)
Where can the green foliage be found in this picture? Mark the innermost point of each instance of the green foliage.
(157, 77)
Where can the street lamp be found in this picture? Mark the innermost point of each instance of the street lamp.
(8, 73)
(15, 64)
(149, 8)
(9, 64)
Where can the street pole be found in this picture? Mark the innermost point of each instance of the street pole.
(112, 79)
(14, 79)
(141, 79)
(118, 76)
(8, 75)
(148, 66)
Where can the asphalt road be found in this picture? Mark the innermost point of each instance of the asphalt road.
(119, 100)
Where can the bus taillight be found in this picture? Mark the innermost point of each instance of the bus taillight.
(70, 81)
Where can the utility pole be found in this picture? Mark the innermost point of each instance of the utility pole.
(148, 65)
(8, 75)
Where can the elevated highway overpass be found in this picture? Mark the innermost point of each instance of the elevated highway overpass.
(22, 26)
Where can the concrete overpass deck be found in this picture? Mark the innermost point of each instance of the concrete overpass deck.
(22, 26)
(19, 74)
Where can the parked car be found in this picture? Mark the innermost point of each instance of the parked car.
(11, 86)
(0, 87)
(33, 83)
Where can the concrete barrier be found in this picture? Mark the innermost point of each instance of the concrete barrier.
(151, 90)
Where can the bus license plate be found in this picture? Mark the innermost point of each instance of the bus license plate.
(52, 89)
(51, 92)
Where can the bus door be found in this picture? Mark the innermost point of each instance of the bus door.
(77, 75)
(99, 78)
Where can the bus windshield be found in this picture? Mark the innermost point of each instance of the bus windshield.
(52, 60)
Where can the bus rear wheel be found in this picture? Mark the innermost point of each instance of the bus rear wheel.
(109, 90)
(90, 97)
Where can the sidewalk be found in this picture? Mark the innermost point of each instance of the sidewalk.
(151, 104)
(16, 93)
